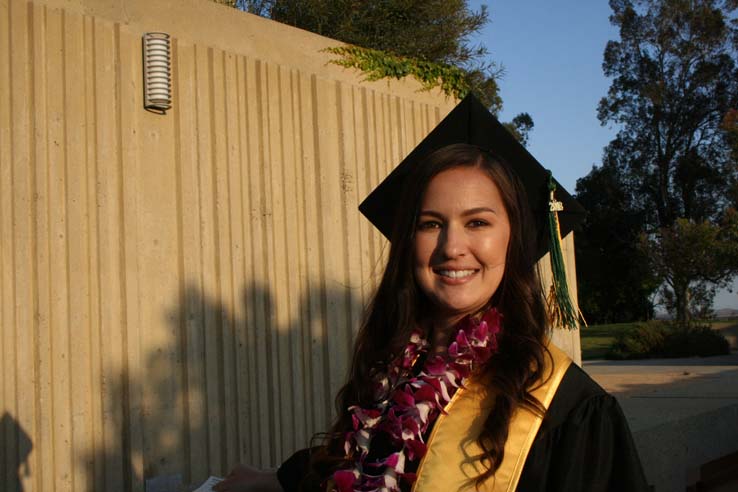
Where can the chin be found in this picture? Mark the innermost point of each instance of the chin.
(460, 309)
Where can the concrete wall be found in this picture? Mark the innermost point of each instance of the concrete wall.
(673, 452)
(179, 293)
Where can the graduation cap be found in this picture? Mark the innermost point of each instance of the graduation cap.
(556, 212)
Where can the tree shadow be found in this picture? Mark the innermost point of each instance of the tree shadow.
(713, 360)
(250, 384)
(15, 464)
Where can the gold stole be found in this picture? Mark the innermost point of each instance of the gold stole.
(452, 461)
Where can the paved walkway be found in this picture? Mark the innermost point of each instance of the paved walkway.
(656, 391)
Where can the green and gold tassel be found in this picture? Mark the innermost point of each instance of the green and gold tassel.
(563, 311)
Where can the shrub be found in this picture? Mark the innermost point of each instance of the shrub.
(661, 339)
(696, 340)
(644, 340)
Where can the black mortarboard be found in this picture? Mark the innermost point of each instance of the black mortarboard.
(471, 123)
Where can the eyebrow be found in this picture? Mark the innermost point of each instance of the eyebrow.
(465, 213)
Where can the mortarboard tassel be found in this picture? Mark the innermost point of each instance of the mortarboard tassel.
(563, 312)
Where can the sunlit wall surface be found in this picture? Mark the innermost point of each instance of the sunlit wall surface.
(179, 292)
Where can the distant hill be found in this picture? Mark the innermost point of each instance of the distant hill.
(718, 314)
(726, 313)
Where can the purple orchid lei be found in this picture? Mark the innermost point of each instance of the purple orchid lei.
(408, 405)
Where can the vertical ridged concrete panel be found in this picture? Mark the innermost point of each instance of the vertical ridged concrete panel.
(568, 341)
(180, 292)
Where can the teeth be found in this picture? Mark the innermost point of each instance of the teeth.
(455, 273)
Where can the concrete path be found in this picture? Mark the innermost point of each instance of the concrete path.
(655, 391)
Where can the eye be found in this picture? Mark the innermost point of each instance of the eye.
(475, 223)
(428, 224)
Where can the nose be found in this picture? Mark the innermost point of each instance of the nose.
(453, 242)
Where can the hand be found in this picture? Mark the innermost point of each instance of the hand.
(249, 479)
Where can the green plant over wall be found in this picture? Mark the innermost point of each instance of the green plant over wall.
(428, 40)
(453, 81)
(377, 65)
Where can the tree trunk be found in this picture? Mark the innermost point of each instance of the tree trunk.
(681, 303)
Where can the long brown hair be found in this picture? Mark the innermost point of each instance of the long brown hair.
(398, 306)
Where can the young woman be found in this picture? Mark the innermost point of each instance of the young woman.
(454, 384)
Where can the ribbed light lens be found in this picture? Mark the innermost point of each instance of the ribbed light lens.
(157, 54)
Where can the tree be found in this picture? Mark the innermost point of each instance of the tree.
(435, 31)
(674, 82)
(521, 127)
(256, 7)
(730, 125)
(620, 288)
(694, 259)
(429, 39)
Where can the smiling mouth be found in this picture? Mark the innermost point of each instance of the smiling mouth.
(455, 273)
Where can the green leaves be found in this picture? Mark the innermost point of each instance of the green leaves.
(694, 257)
(378, 65)
(452, 80)
(673, 94)
(424, 39)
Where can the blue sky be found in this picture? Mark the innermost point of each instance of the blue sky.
(552, 56)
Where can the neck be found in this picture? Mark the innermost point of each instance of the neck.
(443, 328)
(442, 331)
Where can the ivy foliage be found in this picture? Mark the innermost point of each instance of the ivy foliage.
(377, 65)
(429, 40)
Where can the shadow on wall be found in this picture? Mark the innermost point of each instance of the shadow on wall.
(17, 445)
(175, 420)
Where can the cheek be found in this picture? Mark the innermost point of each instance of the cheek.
(495, 251)
(422, 252)
(423, 248)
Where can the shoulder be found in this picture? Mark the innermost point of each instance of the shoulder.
(577, 396)
(584, 442)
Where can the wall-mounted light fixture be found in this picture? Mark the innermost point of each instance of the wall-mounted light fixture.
(157, 67)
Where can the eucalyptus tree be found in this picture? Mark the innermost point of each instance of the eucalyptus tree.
(674, 86)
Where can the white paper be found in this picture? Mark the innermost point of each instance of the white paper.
(207, 486)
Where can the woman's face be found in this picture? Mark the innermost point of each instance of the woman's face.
(461, 241)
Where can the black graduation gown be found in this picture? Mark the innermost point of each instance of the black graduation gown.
(584, 444)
